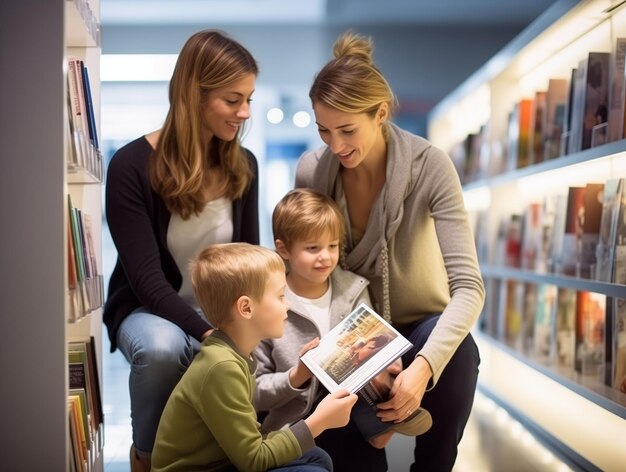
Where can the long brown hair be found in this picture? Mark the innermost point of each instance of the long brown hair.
(208, 60)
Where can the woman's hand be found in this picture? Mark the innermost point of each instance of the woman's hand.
(301, 374)
(406, 392)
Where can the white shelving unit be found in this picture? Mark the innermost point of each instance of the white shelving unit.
(36, 37)
(584, 418)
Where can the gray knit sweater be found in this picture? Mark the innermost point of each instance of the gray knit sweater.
(418, 250)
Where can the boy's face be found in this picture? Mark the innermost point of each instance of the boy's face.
(271, 310)
(312, 261)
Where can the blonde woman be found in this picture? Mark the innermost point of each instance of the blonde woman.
(409, 235)
(169, 194)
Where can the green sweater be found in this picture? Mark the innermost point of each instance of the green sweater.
(209, 422)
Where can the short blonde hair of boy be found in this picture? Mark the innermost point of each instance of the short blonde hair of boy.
(222, 273)
(303, 214)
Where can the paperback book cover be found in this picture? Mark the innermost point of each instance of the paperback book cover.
(355, 351)
(572, 238)
(605, 249)
(565, 326)
(619, 344)
(544, 321)
(590, 325)
(618, 95)
(554, 117)
(592, 208)
(528, 316)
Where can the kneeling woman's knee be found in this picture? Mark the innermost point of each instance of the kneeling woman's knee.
(169, 350)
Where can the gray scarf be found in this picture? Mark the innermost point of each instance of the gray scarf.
(370, 257)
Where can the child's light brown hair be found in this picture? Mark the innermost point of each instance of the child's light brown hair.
(224, 272)
(304, 214)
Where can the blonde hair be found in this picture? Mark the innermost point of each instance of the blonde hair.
(351, 82)
(222, 273)
(207, 61)
(304, 213)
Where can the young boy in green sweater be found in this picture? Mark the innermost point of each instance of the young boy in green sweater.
(209, 422)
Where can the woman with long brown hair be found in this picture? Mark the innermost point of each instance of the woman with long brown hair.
(169, 194)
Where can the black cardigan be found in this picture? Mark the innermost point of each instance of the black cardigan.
(145, 273)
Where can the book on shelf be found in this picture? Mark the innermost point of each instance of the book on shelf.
(532, 247)
(352, 354)
(513, 313)
(519, 135)
(554, 117)
(618, 92)
(565, 147)
(83, 376)
(619, 241)
(535, 148)
(592, 214)
(544, 321)
(605, 248)
(528, 316)
(618, 381)
(572, 236)
(557, 234)
(79, 439)
(590, 328)
(513, 241)
(565, 318)
(591, 102)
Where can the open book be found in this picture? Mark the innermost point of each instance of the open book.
(355, 351)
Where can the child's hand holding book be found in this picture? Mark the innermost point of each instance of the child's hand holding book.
(301, 374)
(332, 412)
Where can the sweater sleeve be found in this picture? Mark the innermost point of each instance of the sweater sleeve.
(134, 233)
(273, 388)
(249, 220)
(225, 407)
(456, 241)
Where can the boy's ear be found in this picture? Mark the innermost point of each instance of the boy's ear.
(244, 307)
(281, 249)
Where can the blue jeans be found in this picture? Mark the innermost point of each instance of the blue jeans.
(158, 352)
(314, 460)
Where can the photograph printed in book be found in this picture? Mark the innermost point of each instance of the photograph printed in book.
(354, 355)
(355, 350)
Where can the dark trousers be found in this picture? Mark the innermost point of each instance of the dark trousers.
(449, 403)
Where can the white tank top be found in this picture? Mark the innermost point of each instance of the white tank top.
(186, 238)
